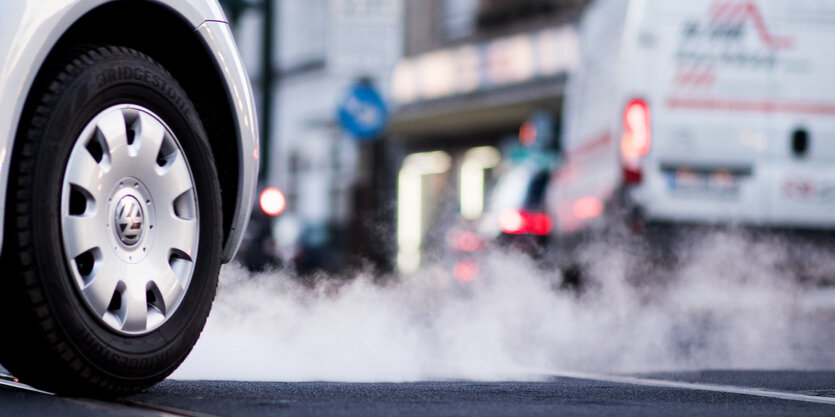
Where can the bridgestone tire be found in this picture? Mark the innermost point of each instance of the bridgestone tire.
(49, 336)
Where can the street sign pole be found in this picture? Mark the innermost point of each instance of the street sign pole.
(363, 115)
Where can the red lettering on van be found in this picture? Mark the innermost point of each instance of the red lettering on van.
(740, 12)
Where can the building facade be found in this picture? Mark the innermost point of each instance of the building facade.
(320, 48)
(473, 72)
(460, 78)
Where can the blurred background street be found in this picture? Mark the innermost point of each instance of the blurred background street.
(467, 188)
(482, 191)
(380, 182)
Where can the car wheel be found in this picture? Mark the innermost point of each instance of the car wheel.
(113, 227)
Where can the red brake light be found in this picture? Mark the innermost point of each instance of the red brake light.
(272, 201)
(465, 241)
(517, 222)
(636, 139)
(527, 133)
(636, 134)
(465, 271)
(588, 207)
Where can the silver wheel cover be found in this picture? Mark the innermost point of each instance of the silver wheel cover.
(129, 219)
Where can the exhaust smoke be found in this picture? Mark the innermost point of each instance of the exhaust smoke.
(730, 303)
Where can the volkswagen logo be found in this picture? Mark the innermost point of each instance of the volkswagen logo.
(129, 220)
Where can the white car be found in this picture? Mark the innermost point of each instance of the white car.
(700, 112)
(128, 163)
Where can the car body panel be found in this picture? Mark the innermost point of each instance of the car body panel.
(30, 29)
(219, 38)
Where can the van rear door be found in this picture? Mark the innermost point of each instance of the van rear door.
(801, 107)
(708, 144)
(743, 112)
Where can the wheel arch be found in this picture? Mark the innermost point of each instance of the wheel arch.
(166, 36)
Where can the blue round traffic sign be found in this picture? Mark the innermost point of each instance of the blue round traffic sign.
(363, 112)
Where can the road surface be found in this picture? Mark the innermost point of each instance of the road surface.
(764, 393)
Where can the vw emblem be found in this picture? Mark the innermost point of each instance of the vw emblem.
(129, 220)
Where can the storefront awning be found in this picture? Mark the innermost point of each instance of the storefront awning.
(483, 85)
(482, 110)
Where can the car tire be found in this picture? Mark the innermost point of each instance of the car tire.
(80, 244)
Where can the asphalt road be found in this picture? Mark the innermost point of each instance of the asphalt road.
(764, 393)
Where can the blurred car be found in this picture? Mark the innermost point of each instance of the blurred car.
(514, 220)
(128, 161)
(515, 214)
(702, 113)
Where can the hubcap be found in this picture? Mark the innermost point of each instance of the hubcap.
(129, 219)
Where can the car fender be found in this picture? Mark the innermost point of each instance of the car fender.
(30, 30)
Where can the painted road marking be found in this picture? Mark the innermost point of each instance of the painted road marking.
(14, 384)
(134, 408)
(652, 382)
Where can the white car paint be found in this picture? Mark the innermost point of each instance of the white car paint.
(30, 29)
(728, 83)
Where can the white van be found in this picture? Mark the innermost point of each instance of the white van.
(700, 112)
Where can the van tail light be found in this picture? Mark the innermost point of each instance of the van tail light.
(636, 139)
(518, 222)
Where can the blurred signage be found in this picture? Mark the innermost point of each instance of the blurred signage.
(470, 67)
(363, 112)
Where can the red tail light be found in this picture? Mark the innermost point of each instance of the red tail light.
(518, 222)
(636, 139)
(588, 207)
(465, 271)
(527, 133)
(465, 241)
